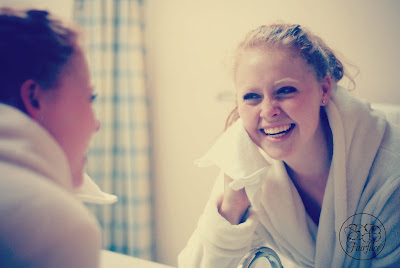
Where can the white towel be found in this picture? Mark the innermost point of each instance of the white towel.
(90, 192)
(25, 144)
(240, 158)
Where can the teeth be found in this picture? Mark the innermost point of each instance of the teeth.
(275, 130)
(279, 135)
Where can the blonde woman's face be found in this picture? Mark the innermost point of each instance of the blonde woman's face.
(279, 101)
(68, 113)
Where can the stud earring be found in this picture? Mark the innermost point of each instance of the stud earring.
(323, 101)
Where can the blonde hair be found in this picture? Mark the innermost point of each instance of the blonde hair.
(298, 40)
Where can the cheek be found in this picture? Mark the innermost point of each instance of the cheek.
(302, 108)
(244, 113)
(87, 117)
(95, 124)
(308, 118)
(250, 118)
(82, 128)
(247, 111)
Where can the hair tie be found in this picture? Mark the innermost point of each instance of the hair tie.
(38, 15)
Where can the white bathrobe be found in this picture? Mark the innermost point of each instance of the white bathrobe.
(363, 191)
(42, 222)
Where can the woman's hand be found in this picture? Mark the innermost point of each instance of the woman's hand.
(234, 203)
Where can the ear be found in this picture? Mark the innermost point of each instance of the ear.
(326, 87)
(30, 97)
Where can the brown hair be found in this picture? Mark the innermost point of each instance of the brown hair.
(33, 45)
(302, 42)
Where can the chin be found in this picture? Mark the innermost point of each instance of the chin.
(77, 179)
(77, 172)
(275, 154)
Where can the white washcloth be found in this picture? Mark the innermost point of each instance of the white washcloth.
(240, 158)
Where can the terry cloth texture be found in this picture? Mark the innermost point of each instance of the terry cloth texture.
(42, 223)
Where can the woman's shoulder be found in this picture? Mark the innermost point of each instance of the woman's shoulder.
(390, 145)
(43, 217)
(384, 175)
(31, 196)
(383, 181)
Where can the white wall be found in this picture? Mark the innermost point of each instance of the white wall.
(188, 43)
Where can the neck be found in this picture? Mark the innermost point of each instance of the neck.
(310, 174)
(315, 167)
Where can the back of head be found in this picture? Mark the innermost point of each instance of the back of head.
(33, 45)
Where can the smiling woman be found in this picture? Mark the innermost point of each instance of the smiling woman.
(301, 157)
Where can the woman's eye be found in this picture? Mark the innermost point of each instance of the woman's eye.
(251, 96)
(93, 97)
(286, 90)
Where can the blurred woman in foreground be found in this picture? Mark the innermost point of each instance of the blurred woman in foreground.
(46, 124)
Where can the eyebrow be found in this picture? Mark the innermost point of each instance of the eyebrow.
(286, 80)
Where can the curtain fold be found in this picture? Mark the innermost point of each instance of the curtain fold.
(119, 157)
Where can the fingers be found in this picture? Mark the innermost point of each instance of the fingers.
(234, 203)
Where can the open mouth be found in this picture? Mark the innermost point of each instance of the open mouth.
(277, 132)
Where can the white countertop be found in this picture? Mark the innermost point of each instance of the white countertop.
(109, 259)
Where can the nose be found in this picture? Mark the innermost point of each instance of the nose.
(98, 125)
(269, 109)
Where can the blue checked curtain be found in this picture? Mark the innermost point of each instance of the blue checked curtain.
(119, 155)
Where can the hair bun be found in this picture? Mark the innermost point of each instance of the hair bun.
(38, 15)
